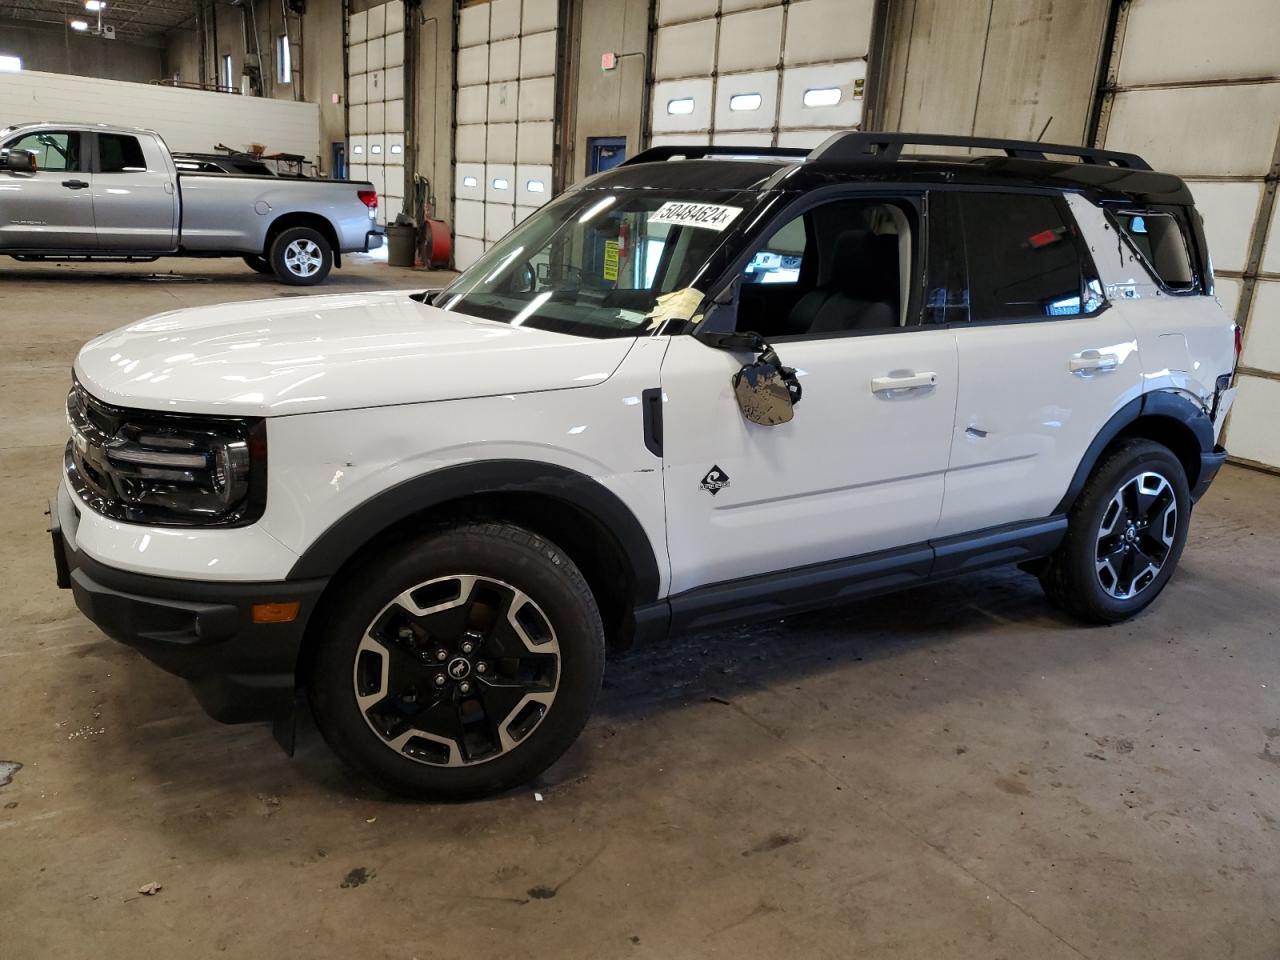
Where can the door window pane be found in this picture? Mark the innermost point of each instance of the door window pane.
(55, 150)
(1024, 259)
(120, 154)
(1160, 239)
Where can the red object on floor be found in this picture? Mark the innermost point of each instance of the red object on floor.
(440, 243)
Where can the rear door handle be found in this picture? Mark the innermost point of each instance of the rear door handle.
(900, 383)
(1093, 361)
(75, 184)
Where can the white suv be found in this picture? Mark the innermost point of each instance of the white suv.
(433, 514)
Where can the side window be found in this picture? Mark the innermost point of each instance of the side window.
(118, 153)
(1161, 239)
(843, 267)
(1025, 260)
(55, 150)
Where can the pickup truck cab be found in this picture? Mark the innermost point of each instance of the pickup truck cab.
(110, 193)
(706, 386)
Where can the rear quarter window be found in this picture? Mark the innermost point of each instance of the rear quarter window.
(1161, 238)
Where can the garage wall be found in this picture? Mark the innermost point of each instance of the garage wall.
(993, 68)
(56, 49)
(758, 72)
(504, 141)
(1195, 88)
(375, 103)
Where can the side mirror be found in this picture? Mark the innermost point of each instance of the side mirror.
(20, 161)
(767, 392)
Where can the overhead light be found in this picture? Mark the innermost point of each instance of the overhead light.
(79, 25)
(95, 6)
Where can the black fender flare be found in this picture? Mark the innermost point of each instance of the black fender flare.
(333, 548)
(1166, 404)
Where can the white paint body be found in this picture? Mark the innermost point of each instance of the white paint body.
(362, 392)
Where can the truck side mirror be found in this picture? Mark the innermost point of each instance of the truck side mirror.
(20, 161)
(767, 392)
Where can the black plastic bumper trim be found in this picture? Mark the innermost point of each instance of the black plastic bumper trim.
(1210, 464)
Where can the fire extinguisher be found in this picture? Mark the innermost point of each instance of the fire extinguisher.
(624, 240)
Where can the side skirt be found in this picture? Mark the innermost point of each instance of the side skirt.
(786, 592)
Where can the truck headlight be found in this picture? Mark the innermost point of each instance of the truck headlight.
(166, 469)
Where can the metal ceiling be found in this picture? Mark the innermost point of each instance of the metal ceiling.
(135, 19)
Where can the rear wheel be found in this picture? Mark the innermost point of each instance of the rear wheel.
(258, 264)
(1124, 537)
(465, 663)
(301, 256)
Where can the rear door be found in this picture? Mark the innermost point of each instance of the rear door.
(134, 195)
(51, 209)
(1043, 360)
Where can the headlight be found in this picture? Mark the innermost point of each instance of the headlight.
(166, 469)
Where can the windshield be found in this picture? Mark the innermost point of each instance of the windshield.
(594, 263)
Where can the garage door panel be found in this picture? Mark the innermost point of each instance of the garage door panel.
(1227, 290)
(533, 184)
(357, 88)
(674, 11)
(504, 19)
(499, 218)
(468, 181)
(1251, 432)
(499, 185)
(1229, 209)
(376, 53)
(678, 139)
(377, 20)
(682, 105)
(358, 148)
(466, 251)
(395, 49)
(538, 99)
(473, 25)
(359, 172)
(807, 139)
(539, 15)
(502, 100)
(357, 118)
(393, 79)
(813, 35)
(473, 65)
(686, 50)
(747, 101)
(469, 218)
(736, 138)
(1181, 40)
(377, 85)
(733, 6)
(538, 55)
(1199, 130)
(501, 146)
(804, 92)
(536, 142)
(377, 113)
(395, 148)
(750, 41)
(357, 28)
(469, 142)
(504, 60)
(394, 122)
(358, 58)
(524, 213)
(1262, 331)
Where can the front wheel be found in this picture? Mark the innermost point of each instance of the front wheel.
(464, 663)
(1124, 537)
(301, 256)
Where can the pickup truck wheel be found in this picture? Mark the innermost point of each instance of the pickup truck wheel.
(301, 256)
(1124, 535)
(258, 264)
(460, 664)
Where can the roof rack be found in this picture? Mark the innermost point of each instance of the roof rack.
(696, 151)
(887, 147)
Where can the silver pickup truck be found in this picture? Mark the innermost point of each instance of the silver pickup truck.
(89, 191)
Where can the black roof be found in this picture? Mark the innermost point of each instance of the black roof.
(863, 157)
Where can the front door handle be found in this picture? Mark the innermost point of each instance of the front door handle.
(901, 383)
(1093, 361)
(75, 184)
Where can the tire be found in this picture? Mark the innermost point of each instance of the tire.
(1122, 543)
(399, 696)
(301, 257)
(258, 264)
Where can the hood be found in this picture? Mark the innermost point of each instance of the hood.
(312, 354)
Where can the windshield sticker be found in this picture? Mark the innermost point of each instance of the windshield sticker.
(709, 216)
(611, 259)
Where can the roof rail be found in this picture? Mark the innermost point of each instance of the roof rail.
(887, 147)
(696, 151)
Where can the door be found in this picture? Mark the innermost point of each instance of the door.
(860, 467)
(134, 195)
(1043, 362)
(51, 209)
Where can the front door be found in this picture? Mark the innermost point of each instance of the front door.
(860, 468)
(51, 209)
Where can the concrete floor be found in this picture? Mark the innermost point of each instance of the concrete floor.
(954, 772)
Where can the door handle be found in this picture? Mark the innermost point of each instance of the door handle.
(1093, 361)
(902, 382)
(75, 184)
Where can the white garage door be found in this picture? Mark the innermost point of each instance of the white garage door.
(758, 72)
(375, 103)
(1195, 92)
(504, 140)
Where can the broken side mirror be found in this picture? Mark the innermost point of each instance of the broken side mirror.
(20, 161)
(767, 392)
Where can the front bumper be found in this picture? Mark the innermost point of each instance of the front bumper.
(1210, 464)
(373, 240)
(202, 631)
